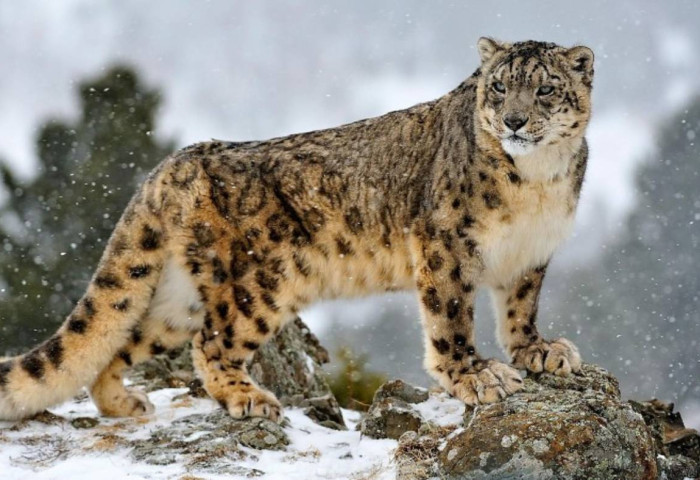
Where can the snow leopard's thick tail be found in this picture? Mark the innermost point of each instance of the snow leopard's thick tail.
(116, 299)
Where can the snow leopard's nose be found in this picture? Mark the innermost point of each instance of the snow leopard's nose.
(515, 120)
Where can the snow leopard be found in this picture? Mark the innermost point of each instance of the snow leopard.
(225, 242)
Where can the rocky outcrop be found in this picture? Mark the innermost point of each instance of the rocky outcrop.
(561, 428)
(577, 428)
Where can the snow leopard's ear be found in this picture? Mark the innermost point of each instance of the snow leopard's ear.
(488, 48)
(580, 60)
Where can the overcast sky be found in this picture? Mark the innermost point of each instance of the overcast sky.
(256, 69)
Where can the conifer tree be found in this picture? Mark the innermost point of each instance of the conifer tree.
(54, 228)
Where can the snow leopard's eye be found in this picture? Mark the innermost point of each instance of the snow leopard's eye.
(498, 87)
(545, 90)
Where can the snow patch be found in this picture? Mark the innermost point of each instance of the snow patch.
(441, 409)
(315, 452)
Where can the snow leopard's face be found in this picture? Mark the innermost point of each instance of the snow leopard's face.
(533, 94)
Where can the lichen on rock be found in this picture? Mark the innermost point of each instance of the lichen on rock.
(564, 428)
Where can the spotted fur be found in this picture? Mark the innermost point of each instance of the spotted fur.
(226, 241)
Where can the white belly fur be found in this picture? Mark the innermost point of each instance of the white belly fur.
(540, 220)
(176, 301)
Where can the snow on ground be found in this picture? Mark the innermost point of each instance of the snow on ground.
(441, 409)
(41, 451)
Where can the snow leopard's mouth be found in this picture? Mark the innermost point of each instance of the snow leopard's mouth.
(520, 139)
(518, 145)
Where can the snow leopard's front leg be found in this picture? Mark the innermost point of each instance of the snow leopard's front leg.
(446, 288)
(516, 310)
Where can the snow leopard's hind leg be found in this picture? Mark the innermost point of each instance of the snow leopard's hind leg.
(221, 352)
(174, 316)
(150, 338)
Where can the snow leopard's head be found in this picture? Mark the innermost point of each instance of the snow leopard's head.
(532, 94)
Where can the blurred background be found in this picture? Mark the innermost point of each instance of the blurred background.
(94, 93)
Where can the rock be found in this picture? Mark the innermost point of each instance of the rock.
(678, 447)
(260, 433)
(391, 413)
(390, 418)
(572, 427)
(84, 422)
(289, 366)
(677, 467)
(561, 428)
(290, 363)
(417, 451)
(401, 390)
(170, 370)
(324, 411)
(593, 378)
(670, 433)
(45, 417)
(202, 438)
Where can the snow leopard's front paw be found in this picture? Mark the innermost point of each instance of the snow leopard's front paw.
(560, 357)
(487, 381)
